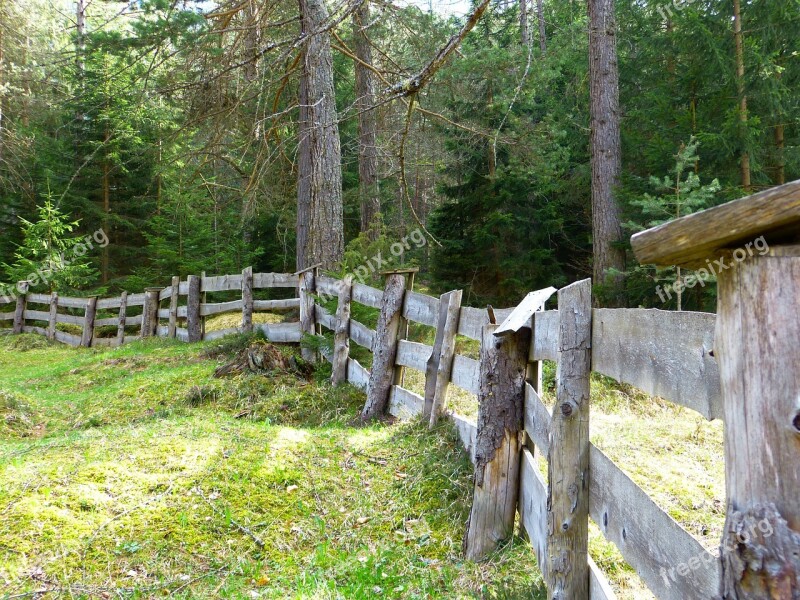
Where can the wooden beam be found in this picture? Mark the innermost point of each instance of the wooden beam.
(440, 366)
(172, 331)
(19, 313)
(51, 325)
(308, 321)
(150, 312)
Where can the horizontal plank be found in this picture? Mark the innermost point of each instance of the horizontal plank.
(361, 334)
(136, 300)
(275, 280)
(36, 315)
(538, 420)
(599, 587)
(286, 304)
(70, 319)
(544, 343)
(663, 353)
(221, 283)
(471, 320)
(404, 404)
(35, 330)
(109, 303)
(413, 355)
(533, 505)
(368, 296)
(68, 338)
(165, 294)
(206, 310)
(67, 302)
(690, 240)
(467, 430)
(163, 313)
(38, 298)
(182, 334)
(183, 288)
(281, 332)
(669, 560)
(162, 331)
(210, 336)
(7, 316)
(324, 318)
(328, 287)
(421, 308)
(133, 321)
(466, 373)
(183, 312)
(356, 374)
(106, 322)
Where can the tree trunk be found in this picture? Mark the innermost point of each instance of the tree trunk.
(320, 234)
(524, 30)
(367, 124)
(605, 145)
(542, 32)
(780, 159)
(106, 211)
(740, 82)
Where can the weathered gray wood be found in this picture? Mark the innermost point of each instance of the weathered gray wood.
(758, 349)
(168, 292)
(123, 316)
(440, 367)
(669, 560)
(220, 333)
(467, 430)
(39, 299)
(108, 303)
(324, 318)
(19, 313)
(163, 313)
(36, 315)
(544, 345)
(34, 329)
(538, 421)
(150, 312)
(52, 317)
(471, 320)
(402, 328)
(307, 317)
(368, 296)
(221, 283)
(286, 304)
(174, 297)
(208, 310)
(67, 302)
(275, 280)
(70, 319)
(599, 587)
(193, 322)
(521, 316)
(88, 323)
(666, 354)
(68, 338)
(691, 240)
(357, 375)
(404, 404)
(412, 355)
(384, 353)
(247, 300)
(361, 334)
(107, 322)
(341, 338)
(282, 332)
(568, 459)
(421, 308)
(7, 317)
(466, 373)
(432, 367)
(498, 445)
(135, 300)
(533, 506)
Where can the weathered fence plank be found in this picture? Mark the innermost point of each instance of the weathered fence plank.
(150, 313)
(439, 368)
(368, 296)
(288, 333)
(88, 322)
(51, 324)
(466, 373)
(521, 315)
(357, 375)
(275, 280)
(599, 588)
(544, 345)
(413, 355)
(324, 318)
(361, 334)
(287, 304)
(36, 315)
(467, 430)
(421, 308)
(533, 506)
(209, 310)
(172, 315)
(404, 404)
(341, 339)
(308, 321)
(68, 338)
(538, 421)
(221, 283)
(123, 315)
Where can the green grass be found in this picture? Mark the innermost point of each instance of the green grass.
(133, 473)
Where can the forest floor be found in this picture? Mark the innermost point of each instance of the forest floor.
(134, 473)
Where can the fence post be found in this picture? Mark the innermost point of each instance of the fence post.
(51, 324)
(22, 301)
(150, 312)
(193, 324)
(384, 351)
(123, 315)
(247, 300)
(172, 328)
(203, 300)
(498, 445)
(88, 322)
(567, 569)
(440, 364)
(307, 287)
(341, 343)
(402, 328)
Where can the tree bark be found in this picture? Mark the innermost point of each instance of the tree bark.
(741, 88)
(367, 124)
(542, 32)
(524, 29)
(605, 145)
(320, 230)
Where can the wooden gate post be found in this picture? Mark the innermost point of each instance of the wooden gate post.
(341, 339)
(150, 312)
(247, 300)
(123, 317)
(440, 365)
(172, 328)
(498, 446)
(567, 568)
(402, 327)
(384, 351)
(307, 288)
(51, 324)
(22, 301)
(193, 324)
(88, 322)
(753, 246)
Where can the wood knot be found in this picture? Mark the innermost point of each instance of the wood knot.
(796, 422)
(567, 409)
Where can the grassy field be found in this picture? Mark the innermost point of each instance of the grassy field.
(133, 473)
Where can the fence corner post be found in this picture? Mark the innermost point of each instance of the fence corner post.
(247, 300)
(193, 323)
(567, 570)
(150, 312)
(22, 301)
(341, 344)
(498, 444)
(88, 322)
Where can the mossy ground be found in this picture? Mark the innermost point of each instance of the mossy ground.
(132, 473)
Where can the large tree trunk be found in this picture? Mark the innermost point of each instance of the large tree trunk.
(367, 123)
(605, 144)
(739, 38)
(524, 30)
(542, 31)
(320, 235)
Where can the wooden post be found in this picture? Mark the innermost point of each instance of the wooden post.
(307, 288)
(440, 364)
(22, 301)
(193, 323)
(341, 343)
(384, 351)
(51, 324)
(88, 322)
(247, 300)
(203, 300)
(123, 315)
(751, 244)
(150, 312)
(498, 445)
(567, 568)
(172, 328)
(402, 328)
